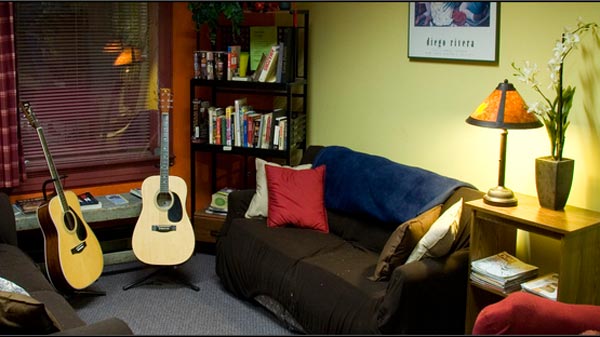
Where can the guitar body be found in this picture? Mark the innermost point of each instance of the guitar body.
(73, 254)
(163, 234)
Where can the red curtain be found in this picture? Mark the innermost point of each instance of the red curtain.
(10, 160)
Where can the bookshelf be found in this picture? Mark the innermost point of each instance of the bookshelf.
(265, 97)
(494, 229)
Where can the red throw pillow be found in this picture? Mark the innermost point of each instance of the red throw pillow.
(296, 197)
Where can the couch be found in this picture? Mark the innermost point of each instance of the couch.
(321, 280)
(28, 302)
(522, 313)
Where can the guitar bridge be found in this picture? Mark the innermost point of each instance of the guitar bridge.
(79, 248)
(164, 228)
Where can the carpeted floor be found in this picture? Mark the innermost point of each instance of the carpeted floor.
(164, 307)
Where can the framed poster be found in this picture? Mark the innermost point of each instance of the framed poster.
(453, 31)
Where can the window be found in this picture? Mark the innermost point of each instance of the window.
(90, 73)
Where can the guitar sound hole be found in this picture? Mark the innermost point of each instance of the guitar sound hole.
(163, 199)
(70, 221)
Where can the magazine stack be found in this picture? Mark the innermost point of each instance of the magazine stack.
(502, 271)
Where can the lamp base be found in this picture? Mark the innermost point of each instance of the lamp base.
(500, 196)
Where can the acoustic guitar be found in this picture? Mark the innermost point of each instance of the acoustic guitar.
(163, 234)
(73, 254)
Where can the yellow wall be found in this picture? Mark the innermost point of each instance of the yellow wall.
(365, 93)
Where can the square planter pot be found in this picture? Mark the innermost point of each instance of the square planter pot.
(553, 181)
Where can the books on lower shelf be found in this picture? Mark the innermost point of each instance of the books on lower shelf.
(116, 199)
(218, 204)
(544, 286)
(136, 192)
(88, 201)
(29, 205)
(502, 271)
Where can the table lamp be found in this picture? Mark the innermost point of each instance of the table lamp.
(503, 109)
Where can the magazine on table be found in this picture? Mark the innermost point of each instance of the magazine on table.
(545, 286)
(504, 267)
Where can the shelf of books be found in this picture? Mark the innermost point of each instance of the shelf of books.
(248, 98)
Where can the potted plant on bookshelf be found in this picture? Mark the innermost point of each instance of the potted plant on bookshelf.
(554, 173)
(208, 12)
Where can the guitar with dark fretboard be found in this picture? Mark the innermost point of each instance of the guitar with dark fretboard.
(73, 254)
(163, 234)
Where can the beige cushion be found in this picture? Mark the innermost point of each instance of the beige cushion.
(22, 314)
(259, 204)
(402, 241)
(439, 238)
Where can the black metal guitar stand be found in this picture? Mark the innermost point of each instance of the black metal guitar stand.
(167, 270)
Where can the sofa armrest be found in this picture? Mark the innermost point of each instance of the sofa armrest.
(238, 202)
(8, 227)
(110, 326)
(426, 296)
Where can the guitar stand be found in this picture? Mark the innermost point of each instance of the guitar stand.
(89, 292)
(170, 271)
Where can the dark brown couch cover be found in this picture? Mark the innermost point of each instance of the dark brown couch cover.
(18, 267)
(317, 283)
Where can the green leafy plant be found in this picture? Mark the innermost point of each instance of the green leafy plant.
(554, 112)
(208, 12)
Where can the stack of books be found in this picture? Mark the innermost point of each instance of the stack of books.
(88, 201)
(502, 272)
(218, 204)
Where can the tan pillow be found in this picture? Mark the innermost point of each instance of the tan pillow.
(402, 241)
(439, 238)
(22, 314)
(259, 205)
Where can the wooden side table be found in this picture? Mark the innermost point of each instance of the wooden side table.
(494, 229)
(207, 226)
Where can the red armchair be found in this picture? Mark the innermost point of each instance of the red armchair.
(522, 313)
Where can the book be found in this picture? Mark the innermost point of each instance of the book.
(268, 73)
(219, 200)
(88, 201)
(285, 35)
(503, 268)
(238, 105)
(259, 69)
(233, 56)
(116, 199)
(279, 72)
(545, 286)
(29, 205)
(261, 40)
(137, 192)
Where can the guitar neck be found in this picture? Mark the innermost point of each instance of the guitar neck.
(53, 172)
(164, 153)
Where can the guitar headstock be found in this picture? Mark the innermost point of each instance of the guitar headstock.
(166, 98)
(25, 108)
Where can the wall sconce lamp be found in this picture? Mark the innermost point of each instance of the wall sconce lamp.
(503, 109)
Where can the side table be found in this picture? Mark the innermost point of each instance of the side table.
(207, 226)
(494, 229)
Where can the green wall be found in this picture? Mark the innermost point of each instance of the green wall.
(365, 93)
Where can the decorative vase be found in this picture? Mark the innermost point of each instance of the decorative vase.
(553, 181)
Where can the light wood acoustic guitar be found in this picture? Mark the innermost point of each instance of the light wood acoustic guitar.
(163, 234)
(73, 254)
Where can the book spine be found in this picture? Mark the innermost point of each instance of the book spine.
(228, 120)
(269, 65)
(285, 35)
(279, 73)
(233, 54)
